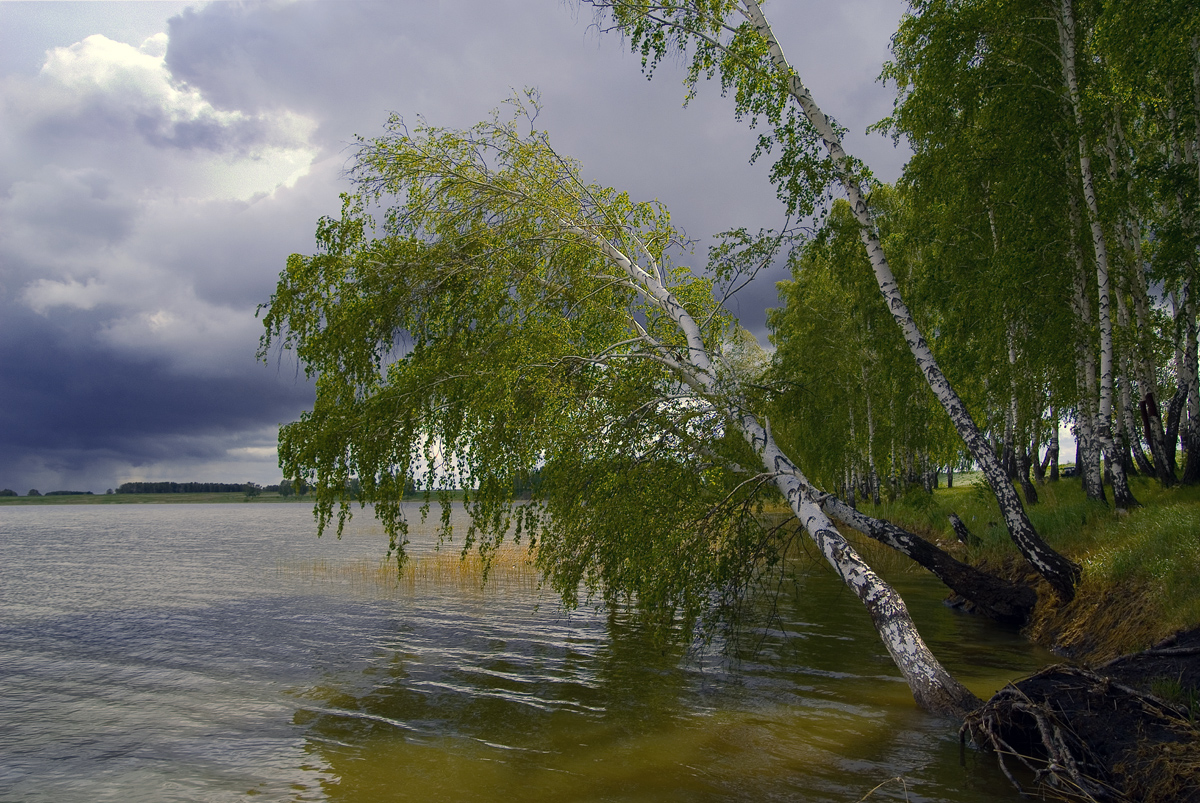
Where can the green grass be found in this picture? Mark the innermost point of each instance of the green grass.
(1141, 570)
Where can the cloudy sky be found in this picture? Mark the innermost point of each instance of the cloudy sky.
(160, 160)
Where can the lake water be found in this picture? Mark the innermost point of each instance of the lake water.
(223, 652)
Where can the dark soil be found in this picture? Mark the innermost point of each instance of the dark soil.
(1172, 665)
(1102, 735)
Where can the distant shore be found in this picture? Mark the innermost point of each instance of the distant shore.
(174, 499)
(149, 499)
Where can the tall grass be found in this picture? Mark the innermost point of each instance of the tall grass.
(510, 566)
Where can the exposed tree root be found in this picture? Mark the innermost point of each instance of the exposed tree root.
(1085, 736)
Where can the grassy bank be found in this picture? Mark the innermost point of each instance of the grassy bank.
(1141, 570)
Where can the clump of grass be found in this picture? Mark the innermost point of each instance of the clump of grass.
(1174, 692)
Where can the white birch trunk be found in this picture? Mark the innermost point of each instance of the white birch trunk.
(1085, 368)
(1196, 93)
(932, 686)
(1191, 472)
(1122, 496)
(873, 474)
(1061, 573)
(1011, 427)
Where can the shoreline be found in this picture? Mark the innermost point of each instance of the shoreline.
(149, 499)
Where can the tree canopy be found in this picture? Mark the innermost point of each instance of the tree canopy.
(481, 328)
(479, 313)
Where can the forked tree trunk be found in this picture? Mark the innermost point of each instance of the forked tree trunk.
(1060, 572)
(934, 689)
(993, 597)
(1138, 361)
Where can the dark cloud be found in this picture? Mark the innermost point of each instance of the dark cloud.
(151, 196)
(66, 402)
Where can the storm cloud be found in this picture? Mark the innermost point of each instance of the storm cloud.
(156, 171)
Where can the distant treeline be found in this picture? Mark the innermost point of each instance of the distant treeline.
(182, 488)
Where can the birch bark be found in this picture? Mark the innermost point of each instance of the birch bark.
(1085, 369)
(1191, 431)
(1060, 572)
(932, 686)
(1196, 93)
(998, 599)
(1122, 496)
(873, 474)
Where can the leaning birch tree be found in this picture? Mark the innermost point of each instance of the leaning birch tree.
(496, 317)
(735, 39)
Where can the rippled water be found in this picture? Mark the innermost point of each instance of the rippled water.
(216, 652)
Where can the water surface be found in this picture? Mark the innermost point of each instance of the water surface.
(223, 652)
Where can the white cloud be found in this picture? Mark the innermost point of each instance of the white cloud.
(44, 294)
(107, 102)
(135, 198)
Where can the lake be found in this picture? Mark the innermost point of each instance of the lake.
(224, 652)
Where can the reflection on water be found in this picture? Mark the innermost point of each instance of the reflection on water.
(212, 652)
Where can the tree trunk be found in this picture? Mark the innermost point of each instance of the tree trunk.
(1010, 456)
(1060, 572)
(873, 474)
(1052, 449)
(993, 597)
(1023, 466)
(1191, 432)
(933, 688)
(961, 532)
(1196, 94)
(1174, 412)
(1039, 468)
(1164, 460)
(1122, 496)
(1087, 459)
(1136, 360)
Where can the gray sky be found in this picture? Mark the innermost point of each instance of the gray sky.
(159, 161)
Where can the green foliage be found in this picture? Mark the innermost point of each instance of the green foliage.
(471, 324)
(841, 367)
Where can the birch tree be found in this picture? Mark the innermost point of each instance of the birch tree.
(735, 39)
(1065, 17)
(505, 317)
